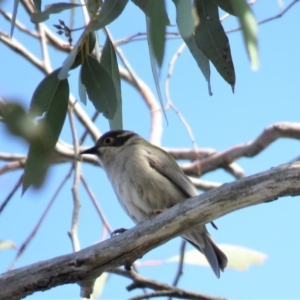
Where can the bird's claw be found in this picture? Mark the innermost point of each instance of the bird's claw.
(118, 231)
(155, 212)
(214, 225)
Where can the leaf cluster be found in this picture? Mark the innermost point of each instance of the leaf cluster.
(199, 25)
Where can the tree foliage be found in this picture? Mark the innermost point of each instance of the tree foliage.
(101, 70)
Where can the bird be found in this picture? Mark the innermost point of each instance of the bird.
(147, 179)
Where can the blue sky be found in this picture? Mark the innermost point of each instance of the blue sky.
(261, 98)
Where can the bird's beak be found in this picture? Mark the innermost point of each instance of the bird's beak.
(92, 150)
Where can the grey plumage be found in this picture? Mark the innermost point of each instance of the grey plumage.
(146, 178)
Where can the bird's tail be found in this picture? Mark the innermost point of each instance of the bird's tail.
(201, 240)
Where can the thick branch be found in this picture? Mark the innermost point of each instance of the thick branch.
(89, 263)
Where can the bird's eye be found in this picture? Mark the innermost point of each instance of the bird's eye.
(107, 140)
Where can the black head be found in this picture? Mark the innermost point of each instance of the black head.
(115, 138)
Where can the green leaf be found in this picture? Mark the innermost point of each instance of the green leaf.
(69, 62)
(249, 28)
(87, 46)
(201, 59)
(110, 10)
(157, 28)
(18, 121)
(99, 86)
(48, 130)
(186, 22)
(154, 69)
(14, 16)
(211, 39)
(109, 61)
(81, 91)
(227, 6)
(184, 17)
(144, 6)
(37, 4)
(51, 9)
(44, 94)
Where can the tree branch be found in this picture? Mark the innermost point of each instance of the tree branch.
(89, 263)
(250, 149)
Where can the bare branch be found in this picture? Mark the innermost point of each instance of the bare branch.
(96, 204)
(38, 224)
(73, 233)
(180, 265)
(250, 149)
(15, 188)
(89, 263)
(162, 289)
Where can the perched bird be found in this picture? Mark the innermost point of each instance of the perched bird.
(145, 179)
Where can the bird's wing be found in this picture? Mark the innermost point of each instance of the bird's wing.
(170, 169)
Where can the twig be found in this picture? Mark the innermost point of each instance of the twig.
(180, 294)
(43, 42)
(19, 25)
(84, 135)
(39, 223)
(15, 188)
(73, 233)
(270, 18)
(20, 49)
(250, 149)
(96, 204)
(12, 166)
(204, 185)
(180, 266)
(163, 288)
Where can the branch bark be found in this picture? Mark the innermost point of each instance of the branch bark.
(84, 266)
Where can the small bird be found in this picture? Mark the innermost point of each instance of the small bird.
(146, 179)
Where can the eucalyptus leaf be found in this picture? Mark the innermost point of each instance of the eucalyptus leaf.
(38, 5)
(154, 69)
(249, 28)
(157, 28)
(48, 131)
(14, 16)
(144, 6)
(81, 91)
(99, 86)
(186, 22)
(18, 121)
(227, 5)
(211, 39)
(201, 59)
(51, 9)
(70, 62)
(109, 62)
(110, 10)
(44, 94)
(184, 17)
(87, 46)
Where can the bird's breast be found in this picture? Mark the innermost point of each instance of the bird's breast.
(140, 189)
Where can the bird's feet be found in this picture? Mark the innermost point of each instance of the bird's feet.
(118, 231)
(214, 225)
(155, 212)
